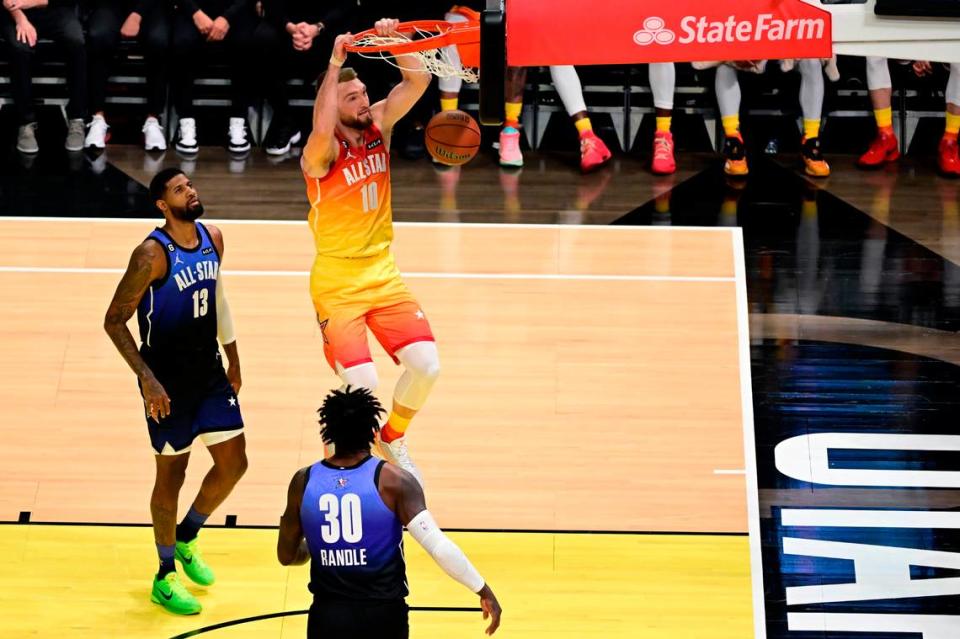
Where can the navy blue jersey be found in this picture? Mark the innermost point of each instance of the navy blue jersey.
(178, 312)
(355, 541)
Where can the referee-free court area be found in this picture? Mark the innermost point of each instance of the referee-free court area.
(585, 441)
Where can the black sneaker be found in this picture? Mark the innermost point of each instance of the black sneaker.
(735, 156)
(280, 137)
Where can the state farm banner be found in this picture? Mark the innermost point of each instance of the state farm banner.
(553, 32)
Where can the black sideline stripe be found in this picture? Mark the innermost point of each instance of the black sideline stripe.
(291, 613)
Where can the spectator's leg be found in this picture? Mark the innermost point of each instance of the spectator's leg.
(728, 99)
(63, 26)
(884, 147)
(811, 96)
(949, 156)
(450, 86)
(155, 39)
(272, 66)
(663, 80)
(103, 39)
(21, 57)
(186, 43)
(811, 105)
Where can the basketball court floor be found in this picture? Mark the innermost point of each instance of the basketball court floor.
(560, 415)
(594, 443)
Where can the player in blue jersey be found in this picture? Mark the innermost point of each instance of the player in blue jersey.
(173, 284)
(345, 515)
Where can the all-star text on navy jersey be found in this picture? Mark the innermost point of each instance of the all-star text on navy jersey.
(178, 313)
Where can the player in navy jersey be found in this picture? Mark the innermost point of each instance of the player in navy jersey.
(345, 515)
(173, 284)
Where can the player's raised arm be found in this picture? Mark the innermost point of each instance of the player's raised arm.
(147, 264)
(321, 148)
(411, 509)
(414, 82)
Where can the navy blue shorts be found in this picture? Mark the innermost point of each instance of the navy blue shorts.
(198, 410)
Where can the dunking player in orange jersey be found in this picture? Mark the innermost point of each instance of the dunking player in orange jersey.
(354, 282)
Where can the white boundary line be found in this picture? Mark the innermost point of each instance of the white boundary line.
(414, 275)
(749, 443)
(870, 518)
(470, 225)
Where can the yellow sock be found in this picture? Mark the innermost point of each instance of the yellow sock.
(449, 104)
(811, 129)
(953, 124)
(808, 208)
(583, 125)
(661, 204)
(511, 113)
(395, 427)
(731, 125)
(728, 211)
(663, 123)
(884, 118)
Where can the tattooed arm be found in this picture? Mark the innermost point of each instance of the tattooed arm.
(146, 265)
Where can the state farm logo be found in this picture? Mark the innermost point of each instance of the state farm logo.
(654, 30)
(700, 30)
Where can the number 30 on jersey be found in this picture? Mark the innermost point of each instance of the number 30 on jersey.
(343, 518)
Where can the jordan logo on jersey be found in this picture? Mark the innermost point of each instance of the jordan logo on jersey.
(376, 163)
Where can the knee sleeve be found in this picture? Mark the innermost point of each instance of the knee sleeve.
(567, 83)
(953, 85)
(452, 84)
(422, 362)
(878, 73)
(663, 79)
(360, 376)
(728, 90)
(811, 89)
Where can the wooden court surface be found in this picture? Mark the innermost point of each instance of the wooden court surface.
(590, 382)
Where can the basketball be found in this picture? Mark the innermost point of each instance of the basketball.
(452, 137)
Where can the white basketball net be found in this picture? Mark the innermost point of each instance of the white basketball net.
(439, 62)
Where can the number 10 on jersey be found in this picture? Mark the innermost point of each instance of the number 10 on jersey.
(370, 198)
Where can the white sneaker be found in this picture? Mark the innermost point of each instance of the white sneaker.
(396, 453)
(187, 136)
(153, 135)
(97, 133)
(237, 136)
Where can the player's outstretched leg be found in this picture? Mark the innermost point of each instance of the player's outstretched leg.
(167, 590)
(229, 465)
(422, 363)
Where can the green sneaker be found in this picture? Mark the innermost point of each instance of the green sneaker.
(170, 593)
(193, 564)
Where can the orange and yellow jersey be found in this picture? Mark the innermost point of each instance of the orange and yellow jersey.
(350, 213)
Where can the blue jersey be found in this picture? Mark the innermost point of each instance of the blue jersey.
(355, 541)
(178, 312)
